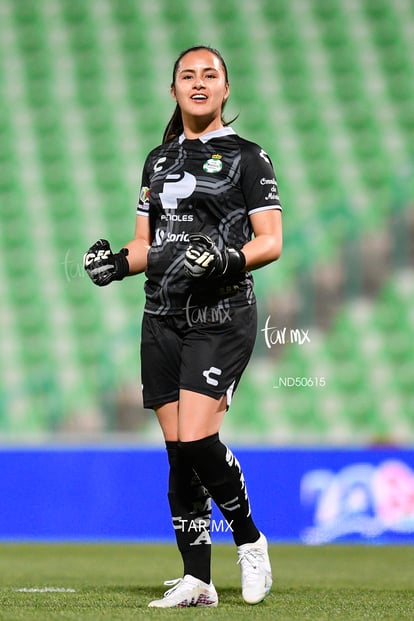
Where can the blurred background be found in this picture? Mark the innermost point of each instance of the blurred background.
(326, 87)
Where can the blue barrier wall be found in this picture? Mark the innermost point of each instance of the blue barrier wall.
(311, 496)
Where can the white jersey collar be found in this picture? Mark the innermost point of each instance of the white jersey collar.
(217, 133)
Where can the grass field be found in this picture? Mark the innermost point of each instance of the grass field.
(105, 582)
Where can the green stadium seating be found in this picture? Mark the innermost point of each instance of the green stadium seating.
(326, 87)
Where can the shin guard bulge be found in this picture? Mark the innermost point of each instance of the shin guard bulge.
(220, 472)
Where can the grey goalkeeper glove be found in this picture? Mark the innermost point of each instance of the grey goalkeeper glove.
(204, 260)
(103, 266)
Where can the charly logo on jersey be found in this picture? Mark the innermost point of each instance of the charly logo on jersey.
(264, 155)
(214, 164)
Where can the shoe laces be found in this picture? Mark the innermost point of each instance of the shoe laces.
(175, 584)
(250, 559)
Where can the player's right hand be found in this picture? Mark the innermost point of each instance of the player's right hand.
(103, 266)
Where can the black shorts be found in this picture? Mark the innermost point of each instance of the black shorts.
(205, 353)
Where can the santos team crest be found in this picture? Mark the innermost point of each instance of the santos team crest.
(214, 164)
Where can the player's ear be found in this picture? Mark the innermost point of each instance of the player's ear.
(226, 92)
(172, 91)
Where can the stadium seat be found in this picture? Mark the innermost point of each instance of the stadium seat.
(326, 87)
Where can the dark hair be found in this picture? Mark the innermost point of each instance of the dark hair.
(175, 125)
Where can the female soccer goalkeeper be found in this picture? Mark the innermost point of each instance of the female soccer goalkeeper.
(208, 214)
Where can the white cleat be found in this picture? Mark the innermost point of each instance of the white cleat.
(187, 591)
(256, 572)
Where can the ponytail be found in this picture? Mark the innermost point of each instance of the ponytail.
(175, 126)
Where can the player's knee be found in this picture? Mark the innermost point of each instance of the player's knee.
(201, 453)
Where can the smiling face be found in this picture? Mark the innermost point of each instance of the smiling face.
(200, 89)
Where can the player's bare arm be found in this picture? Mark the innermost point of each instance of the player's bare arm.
(266, 246)
(139, 246)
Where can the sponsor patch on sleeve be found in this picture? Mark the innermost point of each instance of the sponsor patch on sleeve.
(143, 201)
(144, 195)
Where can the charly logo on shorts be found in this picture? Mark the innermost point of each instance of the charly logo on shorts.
(208, 373)
(214, 164)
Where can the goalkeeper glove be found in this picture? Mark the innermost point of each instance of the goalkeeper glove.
(204, 260)
(102, 266)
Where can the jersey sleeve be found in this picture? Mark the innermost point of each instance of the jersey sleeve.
(258, 180)
(144, 193)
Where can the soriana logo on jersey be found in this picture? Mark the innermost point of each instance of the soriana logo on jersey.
(214, 164)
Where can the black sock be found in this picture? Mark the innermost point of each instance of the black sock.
(220, 472)
(190, 506)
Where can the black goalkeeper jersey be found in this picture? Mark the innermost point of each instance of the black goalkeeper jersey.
(211, 185)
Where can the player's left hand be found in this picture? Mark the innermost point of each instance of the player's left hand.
(204, 260)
